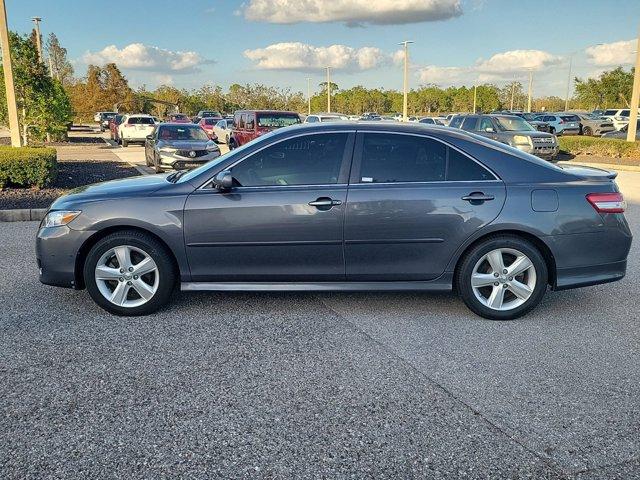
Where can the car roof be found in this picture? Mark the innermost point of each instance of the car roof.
(266, 111)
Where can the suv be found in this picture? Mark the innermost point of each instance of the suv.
(326, 117)
(103, 119)
(593, 125)
(511, 130)
(619, 116)
(135, 128)
(207, 114)
(561, 123)
(250, 124)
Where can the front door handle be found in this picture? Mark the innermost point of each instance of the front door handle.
(324, 203)
(478, 197)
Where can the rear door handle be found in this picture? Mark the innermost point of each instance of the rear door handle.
(478, 197)
(325, 203)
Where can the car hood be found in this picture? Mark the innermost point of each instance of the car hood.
(128, 187)
(185, 144)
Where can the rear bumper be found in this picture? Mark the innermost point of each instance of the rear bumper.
(590, 275)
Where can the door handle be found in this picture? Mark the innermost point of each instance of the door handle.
(324, 203)
(478, 197)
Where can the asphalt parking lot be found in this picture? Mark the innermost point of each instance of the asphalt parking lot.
(397, 385)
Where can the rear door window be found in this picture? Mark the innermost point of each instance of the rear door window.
(456, 122)
(470, 124)
(486, 125)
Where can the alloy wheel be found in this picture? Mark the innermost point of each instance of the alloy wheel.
(503, 279)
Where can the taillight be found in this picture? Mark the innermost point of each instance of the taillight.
(607, 202)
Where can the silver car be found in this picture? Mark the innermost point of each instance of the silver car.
(178, 146)
(593, 125)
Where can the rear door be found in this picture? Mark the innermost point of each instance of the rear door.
(413, 200)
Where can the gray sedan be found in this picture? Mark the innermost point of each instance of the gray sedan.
(177, 146)
(344, 206)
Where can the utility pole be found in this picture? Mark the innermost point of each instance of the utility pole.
(635, 96)
(8, 77)
(566, 100)
(405, 81)
(328, 90)
(37, 21)
(530, 90)
(513, 92)
(308, 96)
(475, 96)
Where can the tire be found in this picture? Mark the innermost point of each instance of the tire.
(156, 165)
(587, 131)
(231, 143)
(552, 130)
(136, 242)
(226, 140)
(125, 143)
(475, 261)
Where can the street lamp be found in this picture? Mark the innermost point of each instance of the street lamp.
(328, 89)
(308, 96)
(530, 90)
(633, 116)
(8, 77)
(405, 83)
(37, 21)
(566, 99)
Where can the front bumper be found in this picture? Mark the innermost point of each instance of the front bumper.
(177, 162)
(57, 250)
(546, 152)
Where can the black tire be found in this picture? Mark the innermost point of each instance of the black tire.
(587, 131)
(125, 143)
(154, 249)
(476, 252)
(231, 143)
(156, 165)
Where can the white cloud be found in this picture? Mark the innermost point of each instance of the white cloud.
(616, 53)
(303, 57)
(138, 56)
(352, 12)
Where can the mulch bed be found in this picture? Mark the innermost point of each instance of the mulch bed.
(71, 174)
(628, 161)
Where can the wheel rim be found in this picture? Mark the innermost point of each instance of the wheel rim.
(127, 276)
(503, 279)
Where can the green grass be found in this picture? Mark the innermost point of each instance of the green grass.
(603, 147)
(27, 166)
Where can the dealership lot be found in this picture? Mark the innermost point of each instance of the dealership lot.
(294, 384)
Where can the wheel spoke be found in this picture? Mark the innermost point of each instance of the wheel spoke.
(496, 298)
(123, 254)
(144, 290)
(119, 294)
(482, 280)
(107, 273)
(495, 260)
(145, 266)
(520, 265)
(520, 289)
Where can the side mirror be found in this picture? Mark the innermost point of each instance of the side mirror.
(489, 129)
(223, 180)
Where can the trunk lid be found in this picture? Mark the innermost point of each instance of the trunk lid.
(589, 172)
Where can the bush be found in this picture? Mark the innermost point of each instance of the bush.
(27, 166)
(604, 147)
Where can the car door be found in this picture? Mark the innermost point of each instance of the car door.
(283, 220)
(413, 200)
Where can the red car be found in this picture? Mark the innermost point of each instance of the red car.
(250, 124)
(178, 118)
(207, 124)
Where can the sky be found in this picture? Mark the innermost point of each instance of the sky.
(188, 43)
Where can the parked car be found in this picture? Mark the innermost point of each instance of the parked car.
(178, 118)
(431, 121)
(530, 117)
(222, 130)
(103, 119)
(619, 116)
(207, 114)
(326, 117)
(561, 123)
(511, 130)
(412, 207)
(622, 133)
(177, 146)
(250, 124)
(135, 128)
(593, 125)
(113, 127)
(207, 125)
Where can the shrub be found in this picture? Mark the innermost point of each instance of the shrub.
(604, 147)
(27, 166)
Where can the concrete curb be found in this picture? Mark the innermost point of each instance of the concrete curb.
(22, 214)
(606, 166)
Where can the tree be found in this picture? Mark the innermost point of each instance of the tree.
(61, 68)
(610, 89)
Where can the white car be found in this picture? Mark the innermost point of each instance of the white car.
(222, 130)
(432, 121)
(619, 116)
(135, 128)
(325, 117)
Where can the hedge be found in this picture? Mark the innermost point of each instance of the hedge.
(27, 166)
(604, 147)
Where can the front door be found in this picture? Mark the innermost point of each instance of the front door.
(283, 219)
(412, 202)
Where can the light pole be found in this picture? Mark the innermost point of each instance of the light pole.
(37, 21)
(513, 92)
(566, 100)
(308, 96)
(405, 81)
(8, 77)
(328, 89)
(530, 91)
(635, 96)
(475, 96)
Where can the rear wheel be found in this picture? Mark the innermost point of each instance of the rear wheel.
(232, 143)
(129, 273)
(502, 278)
(587, 131)
(125, 143)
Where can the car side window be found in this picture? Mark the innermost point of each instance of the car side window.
(470, 124)
(456, 122)
(305, 160)
(549, 118)
(243, 118)
(388, 158)
(462, 168)
(486, 125)
(312, 119)
(250, 121)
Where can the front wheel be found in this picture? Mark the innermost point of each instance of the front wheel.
(125, 143)
(587, 131)
(129, 273)
(502, 278)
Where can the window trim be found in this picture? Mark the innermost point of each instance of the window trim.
(355, 177)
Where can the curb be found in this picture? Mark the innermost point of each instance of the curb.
(22, 214)
(610, 166)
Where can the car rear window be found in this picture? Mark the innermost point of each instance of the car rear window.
(210, 121)
(570, 118)
(277, 120)
(140, 121)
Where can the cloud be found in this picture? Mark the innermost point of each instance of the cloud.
(303, 57)
(351, 12)
(608, 54)
(138, 56)
(501, 66)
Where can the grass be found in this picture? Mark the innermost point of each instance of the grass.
(601, 147)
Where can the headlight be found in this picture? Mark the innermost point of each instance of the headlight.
(168, 149)
(211, 147)
(59, 218)
(522, 140)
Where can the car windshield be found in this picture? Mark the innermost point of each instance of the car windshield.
(174, 132)
(180, 117)
(277, 120)
(140, 121)
(211, 114)
(514, 124)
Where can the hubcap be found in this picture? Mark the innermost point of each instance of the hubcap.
(127, 276)
(503, 279)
